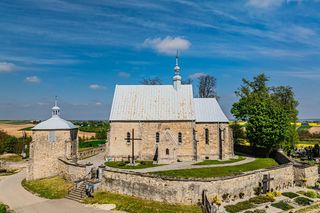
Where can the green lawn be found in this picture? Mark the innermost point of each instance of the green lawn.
(210, 162)
(3, 208)
(51, 188)
(259, 163)
(123, 164)
(138, 205)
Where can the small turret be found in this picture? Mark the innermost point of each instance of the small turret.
(177, 77)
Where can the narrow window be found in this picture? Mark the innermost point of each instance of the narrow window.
(207, 136)
(167, 151)
(128, 137)
(180, 137)
(52, 136)
(157, 137)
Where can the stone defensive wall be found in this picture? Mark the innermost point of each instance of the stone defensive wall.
(189, 191)
(90, 152)
(73, 171)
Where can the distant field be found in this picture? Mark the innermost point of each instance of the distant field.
(13, 122)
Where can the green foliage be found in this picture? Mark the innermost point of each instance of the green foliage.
(51, 188)
(259, 163)
(138, 205)
(302, 201)
(268, 112)
(124, 164)
(238, 207)
(311, 194)
(91, 144)
(282, 205)
(210, 162)
(238, 132)
(290, 194)
(9, 144)
(261, 199)
(3, 208)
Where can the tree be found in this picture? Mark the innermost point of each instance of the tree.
(151, 81)
(207, 86)
(9, 144)
(266, 112)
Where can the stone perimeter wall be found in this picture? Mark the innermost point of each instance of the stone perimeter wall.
(189, 191)
(73, 171)
(82, 154)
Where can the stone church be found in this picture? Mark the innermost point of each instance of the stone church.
(169, 124)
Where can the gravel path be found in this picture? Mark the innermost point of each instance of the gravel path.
(20, 200)
(188, 165)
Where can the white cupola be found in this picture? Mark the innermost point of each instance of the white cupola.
(177, 77)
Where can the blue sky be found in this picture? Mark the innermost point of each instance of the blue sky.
(79, 50)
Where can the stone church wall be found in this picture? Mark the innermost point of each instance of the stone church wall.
(189, 191)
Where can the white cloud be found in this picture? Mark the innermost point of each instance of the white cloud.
(96, 87)
(33, 79)
(265, 4)
(197, 75)
(6, 67)
(123, 74)
(98, 103)
(168, 45)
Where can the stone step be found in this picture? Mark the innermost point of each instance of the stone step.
(74, 199)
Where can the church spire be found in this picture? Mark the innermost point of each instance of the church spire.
(177, 77)
(55, 108)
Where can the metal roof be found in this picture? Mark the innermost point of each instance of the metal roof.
(54, 123)
(152, 102)
(208, 110)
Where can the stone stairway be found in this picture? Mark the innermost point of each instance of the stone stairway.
(77, 193)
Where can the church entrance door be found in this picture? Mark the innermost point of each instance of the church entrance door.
(156, 154)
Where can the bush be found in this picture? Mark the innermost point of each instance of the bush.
(3, 208)
(311, 194)
(239, 207)
(302, 201)
(261, 199)
(290, 194)
(282, 205)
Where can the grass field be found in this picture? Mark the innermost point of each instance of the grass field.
(123, 164)
(91, 144)
(137, 205)
(259, 163)
(210, 162)
(51, 188)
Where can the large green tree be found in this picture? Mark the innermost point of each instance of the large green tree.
(268, 112)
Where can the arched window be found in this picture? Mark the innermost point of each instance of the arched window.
(206, 132)
(157, 137)
(167, 151)
(180, 137)
(128, 137)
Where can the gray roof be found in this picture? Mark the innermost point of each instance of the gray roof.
(163, 103)
(54, 123)
(152, 102)
(208, 110)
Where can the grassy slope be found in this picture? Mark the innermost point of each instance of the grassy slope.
(138, 205)
(210, 162)
(51, 188)
(259, 163)
(120, 165)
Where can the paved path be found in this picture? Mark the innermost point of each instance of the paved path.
(188, 165)
(20, 200)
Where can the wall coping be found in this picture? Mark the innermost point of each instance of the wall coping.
(197, 179)
(65, 161)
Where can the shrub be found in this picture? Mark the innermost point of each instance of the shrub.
(261, 199)
(239, 207)
(302, 201)
(282, 205)
(3, 208)
(277, 194)
(290, 194)
(216, 200)
(311, 194)
(270, 194)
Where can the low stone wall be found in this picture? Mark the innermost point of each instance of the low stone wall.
(306, 175)
(189, 191)
(90, 152)
(73, 171)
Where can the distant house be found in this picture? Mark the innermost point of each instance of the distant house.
(172, 124)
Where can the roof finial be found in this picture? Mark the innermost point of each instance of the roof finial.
(177, 58)
(55, 109)
(56, 101)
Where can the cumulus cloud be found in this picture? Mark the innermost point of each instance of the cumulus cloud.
(168, 45)
(33, 79)
(197, 75)
(265, 4)
(123, 74)
(96, 87)
(6, 67)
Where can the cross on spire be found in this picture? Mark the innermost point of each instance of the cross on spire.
(55, 108)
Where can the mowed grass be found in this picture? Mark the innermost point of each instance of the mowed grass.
(210, 162)
(138, 205)
(124, 164)
(259, 163)
(51, 188)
